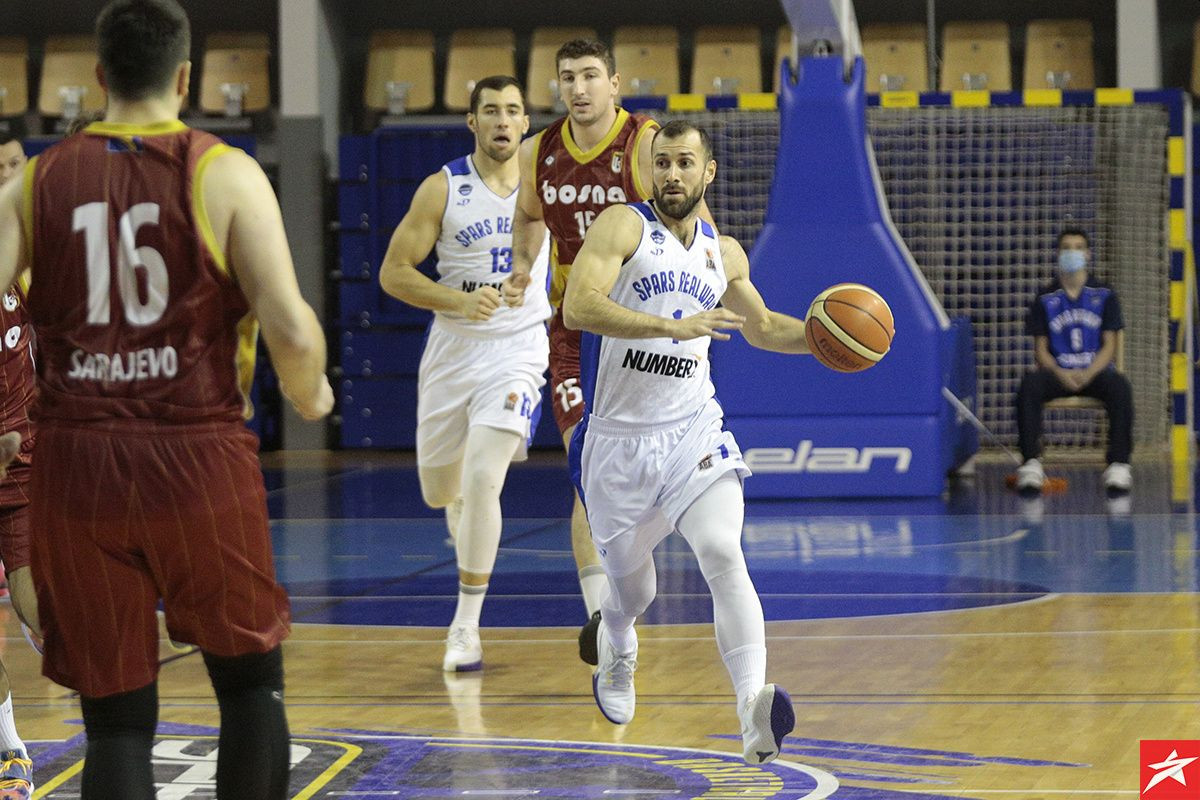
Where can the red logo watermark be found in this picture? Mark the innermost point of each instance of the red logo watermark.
(1170, 769)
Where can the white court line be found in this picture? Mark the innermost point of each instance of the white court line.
(664, 595)
(292, 642)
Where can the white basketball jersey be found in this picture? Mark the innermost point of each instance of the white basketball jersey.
(649, 382)
(475, 248)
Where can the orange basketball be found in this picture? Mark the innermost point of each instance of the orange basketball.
(849, 327)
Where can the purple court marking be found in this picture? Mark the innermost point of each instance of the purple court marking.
(572, 770)
(419, 767)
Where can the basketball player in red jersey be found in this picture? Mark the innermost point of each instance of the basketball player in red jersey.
(596, 156)
(16, 395)
(153, 250)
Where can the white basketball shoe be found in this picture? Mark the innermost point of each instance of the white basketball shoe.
(612, 682)
(1030, 476)
(1118, 477)
(766, 718)
(464, 653)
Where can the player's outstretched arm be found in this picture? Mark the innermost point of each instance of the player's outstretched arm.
(765, 329)
(529, 226)
(612, 239)
(411, 242)
(244, 214)
(13, 247)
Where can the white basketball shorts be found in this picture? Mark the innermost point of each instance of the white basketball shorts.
(636, 482)
(464, 381)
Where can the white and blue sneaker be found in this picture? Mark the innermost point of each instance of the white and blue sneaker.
(766, 719)
(612, 682)
(464, 652)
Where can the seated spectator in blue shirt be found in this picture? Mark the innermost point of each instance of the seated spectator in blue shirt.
(1074, 323)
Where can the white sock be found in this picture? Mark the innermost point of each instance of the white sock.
(9, 740)
(470, 604)
(748, 670)
(624, 640)
(594, 585)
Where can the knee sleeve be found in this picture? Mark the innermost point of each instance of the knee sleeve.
(712, 527)
(129, 713)
(632, 594)
(232, 675)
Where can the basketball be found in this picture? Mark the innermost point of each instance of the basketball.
(849, 327)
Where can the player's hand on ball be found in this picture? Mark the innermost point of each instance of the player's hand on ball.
(708, 323)
(319, 406)
(513, 288)
(480, 304)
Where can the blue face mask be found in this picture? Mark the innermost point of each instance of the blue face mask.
(1070, 261)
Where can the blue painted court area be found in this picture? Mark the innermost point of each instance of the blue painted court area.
(347, 762)
(356, 545)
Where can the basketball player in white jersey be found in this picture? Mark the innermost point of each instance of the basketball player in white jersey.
(482, 371)
(652, 458)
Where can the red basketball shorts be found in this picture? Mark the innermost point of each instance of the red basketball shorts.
(127, 516)
(566, 395)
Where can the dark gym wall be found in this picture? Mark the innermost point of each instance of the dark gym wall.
(1176, 23)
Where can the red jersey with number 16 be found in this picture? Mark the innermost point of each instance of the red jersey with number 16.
(136, 312)
(574, 185)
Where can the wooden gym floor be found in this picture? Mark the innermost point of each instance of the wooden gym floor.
(974, 646)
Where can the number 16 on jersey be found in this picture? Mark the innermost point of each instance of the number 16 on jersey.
(92, 220)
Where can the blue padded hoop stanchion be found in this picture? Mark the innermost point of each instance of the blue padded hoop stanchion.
(808, 431)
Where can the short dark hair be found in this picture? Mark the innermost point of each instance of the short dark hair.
(579, 48)
(6, 138)
(496, 83)
(680, 127)
(141, 44)
(1074, 232)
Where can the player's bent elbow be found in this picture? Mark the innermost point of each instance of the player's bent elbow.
(292, 339)
(571, 316)
(392, 279)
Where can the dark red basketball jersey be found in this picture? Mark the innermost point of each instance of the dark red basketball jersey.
(137, 315)
(574, 186)
(16, 373)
